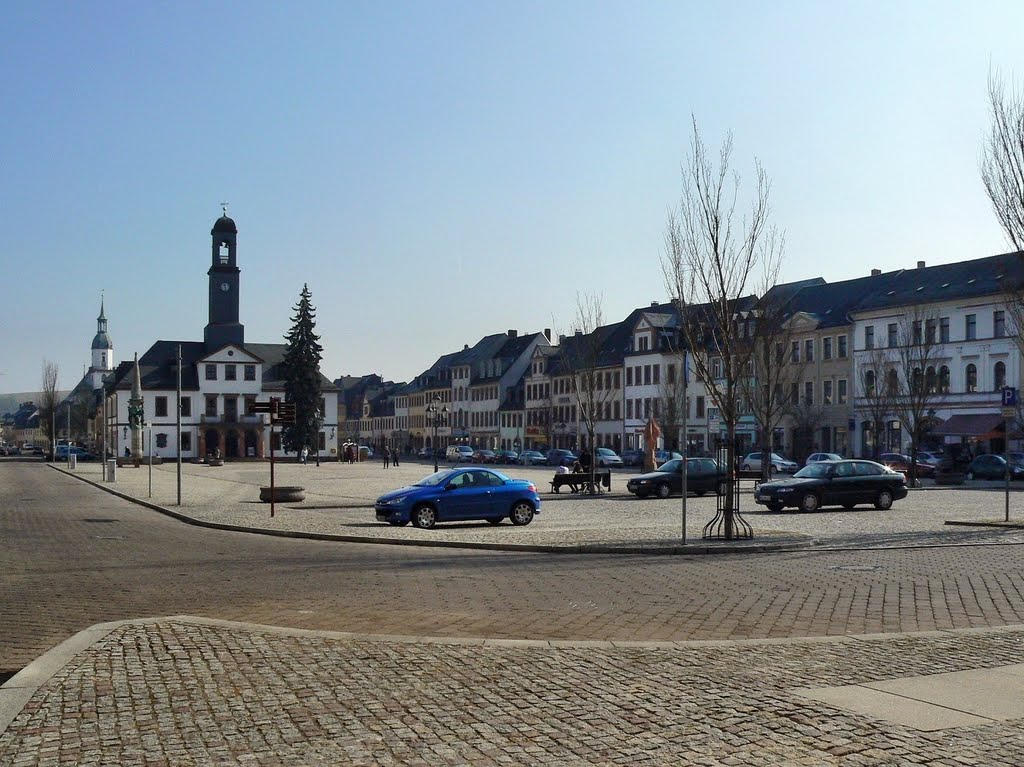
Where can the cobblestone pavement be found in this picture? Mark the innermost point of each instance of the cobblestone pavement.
(340, 502)
(177, 693)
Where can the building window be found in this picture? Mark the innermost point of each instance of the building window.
(617, 378)
(826, 392)
(999, 324)
(826, 348)
(618, 410)
(930, 381)
(670, 373)
(929, 331)
(700, 407)
(999, 375)
(794, 352)
(809, 350)
(869, 383)
(629, 376)
(643, 343)
(629, 408)
(842, 347)
(186, 441)
(944, 380)
(229, 373)
(892, 335)
(211, 372)
(971, 327)
(944, 330)
(841, 391)
(657, 374)
(971, 378)
(809, 393)
(647, 375)
(869, 337)
(716, 368)
(161, 440)
(211, 406)
(916, 330)
(186, 407)
(160, 408)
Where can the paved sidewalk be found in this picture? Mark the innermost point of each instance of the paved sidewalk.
(180, 691)
(339, 504)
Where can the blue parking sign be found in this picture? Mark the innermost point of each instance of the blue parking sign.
(1009, 396)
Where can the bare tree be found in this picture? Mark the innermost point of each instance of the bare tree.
(876, 392)
(48, 402)
(713, 257)
(590, 377)
(807, 418)
(774, 369)
(917, 379)
(1002, 160)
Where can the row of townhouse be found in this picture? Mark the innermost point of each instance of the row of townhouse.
(845, 342)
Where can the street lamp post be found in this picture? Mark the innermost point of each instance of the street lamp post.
(436, 416)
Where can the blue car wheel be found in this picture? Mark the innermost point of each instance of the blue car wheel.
(522, 513)
(424, 517)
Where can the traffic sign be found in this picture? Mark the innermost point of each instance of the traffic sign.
(260, 407)
(1009, 412)
(1009, 396)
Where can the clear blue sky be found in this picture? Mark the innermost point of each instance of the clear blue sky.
(429, 168)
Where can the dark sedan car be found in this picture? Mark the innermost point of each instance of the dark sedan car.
(901, 462)
(993, 467)
(834, 483)
(560, 457)
(483, 456)
(457, 495)
(703, 475)
(632, 457)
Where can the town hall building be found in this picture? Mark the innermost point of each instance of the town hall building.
(222, 377)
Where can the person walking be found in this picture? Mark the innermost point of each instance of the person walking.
(394, 457)
(387, 456)
(302, 455)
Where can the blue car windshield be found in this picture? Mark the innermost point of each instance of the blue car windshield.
(437, 478)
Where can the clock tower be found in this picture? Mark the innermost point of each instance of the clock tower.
(223, 327)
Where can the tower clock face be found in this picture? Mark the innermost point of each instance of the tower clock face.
(225, 287)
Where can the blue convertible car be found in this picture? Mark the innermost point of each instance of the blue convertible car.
(460, 494)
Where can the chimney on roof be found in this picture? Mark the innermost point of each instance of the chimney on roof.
(578, 332)
(512, 333)
(654, 303)
(465, 346)
(547, 334)
(920, 264)
(875, 272)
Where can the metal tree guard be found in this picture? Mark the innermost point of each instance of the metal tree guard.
(717, 528)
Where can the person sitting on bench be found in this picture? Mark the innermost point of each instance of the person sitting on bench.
(576, 469)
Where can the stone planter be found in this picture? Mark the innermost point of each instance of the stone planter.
(283, 494)
(949, 478)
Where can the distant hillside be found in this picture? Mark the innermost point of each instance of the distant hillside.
(9, 402)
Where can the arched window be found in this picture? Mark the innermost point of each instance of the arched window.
(892, 382)
(999, 376)
(930, 383)
(869, 383)
(944, 380)
(971, 377)
(917, 381)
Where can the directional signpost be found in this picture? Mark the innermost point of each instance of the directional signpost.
(279, 412)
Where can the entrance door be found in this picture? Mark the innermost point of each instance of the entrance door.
(231, 444)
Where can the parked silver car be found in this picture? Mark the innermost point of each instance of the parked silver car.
(752, 462)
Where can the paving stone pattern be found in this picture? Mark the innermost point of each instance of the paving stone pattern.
(173, 693)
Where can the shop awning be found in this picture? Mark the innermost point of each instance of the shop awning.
(984, 425)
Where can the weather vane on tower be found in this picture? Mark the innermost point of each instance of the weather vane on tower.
(224, 207)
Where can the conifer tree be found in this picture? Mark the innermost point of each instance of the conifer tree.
(302, 377)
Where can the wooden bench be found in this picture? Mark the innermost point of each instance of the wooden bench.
(602, 480)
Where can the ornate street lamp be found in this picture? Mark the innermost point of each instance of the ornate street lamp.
(436, 416)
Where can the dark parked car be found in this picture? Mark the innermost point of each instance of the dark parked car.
(559, 457)
(482, 456)
(506, 456)
(703, 475)
(834, 483)
(532, 458)
(901, 462)
(993, 467)
(460, 494)
(632, 457)
(426, 452)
